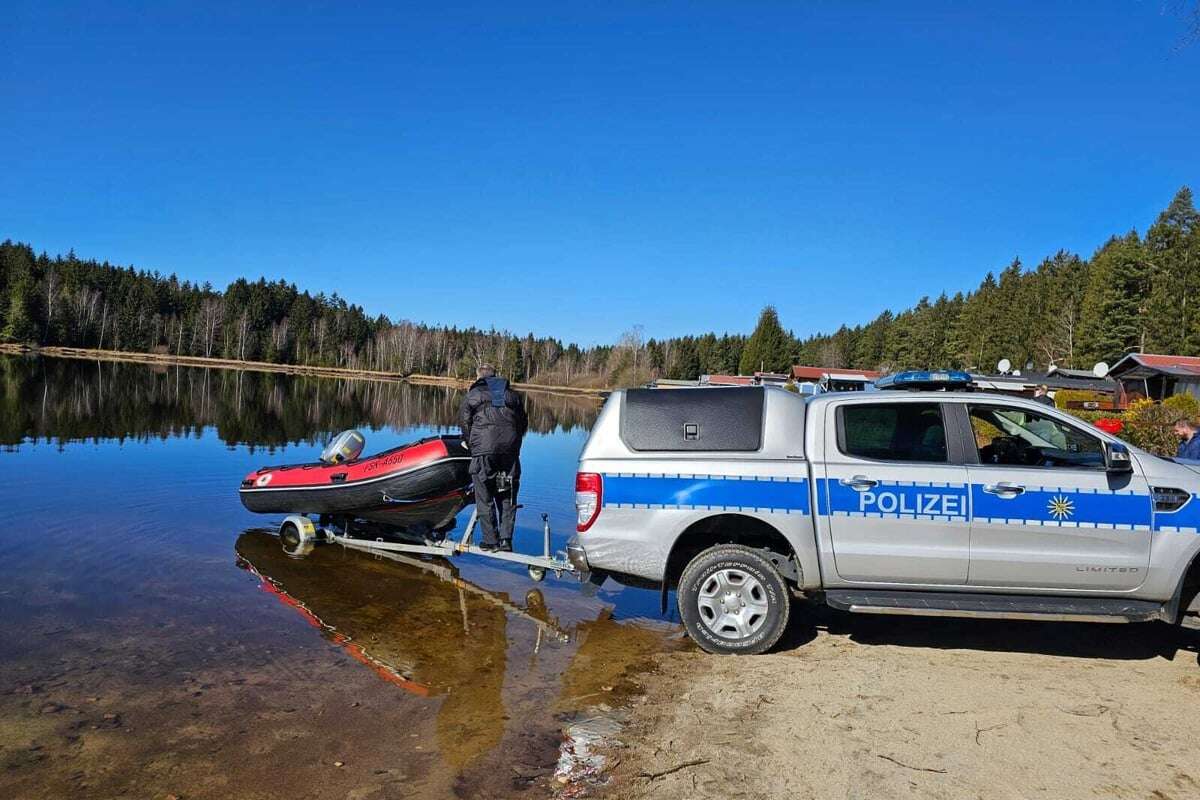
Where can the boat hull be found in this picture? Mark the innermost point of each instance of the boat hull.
(417, 484)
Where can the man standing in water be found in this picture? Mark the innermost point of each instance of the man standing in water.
(493, 423)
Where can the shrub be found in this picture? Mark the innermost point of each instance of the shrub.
(1148, 425)
(1187, 406)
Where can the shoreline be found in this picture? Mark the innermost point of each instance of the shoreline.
(92, 354)
(853, 706)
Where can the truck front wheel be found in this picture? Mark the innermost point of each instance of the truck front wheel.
(733, 601)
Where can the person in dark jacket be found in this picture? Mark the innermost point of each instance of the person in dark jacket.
(1189, 442)
(493, 423)
(1042, 395)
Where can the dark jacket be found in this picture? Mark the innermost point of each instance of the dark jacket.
(1189, 448)
(493, 418)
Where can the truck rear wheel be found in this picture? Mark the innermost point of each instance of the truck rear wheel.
(733, 601)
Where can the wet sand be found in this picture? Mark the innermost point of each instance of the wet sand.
(865, 707)
(359, 677)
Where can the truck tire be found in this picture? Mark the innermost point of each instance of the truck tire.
(733, 601)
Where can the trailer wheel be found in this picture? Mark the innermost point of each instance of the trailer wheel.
(297, 535)
(733, 601)
(536, 574)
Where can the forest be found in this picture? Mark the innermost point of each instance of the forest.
(1135, 292)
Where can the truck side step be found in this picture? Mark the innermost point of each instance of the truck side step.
(994, 606)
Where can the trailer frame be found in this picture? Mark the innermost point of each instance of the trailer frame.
(298, 532)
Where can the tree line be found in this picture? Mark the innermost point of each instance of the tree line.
(1134, 293)
(73, 302)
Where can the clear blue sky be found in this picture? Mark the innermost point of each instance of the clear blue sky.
(673, 165)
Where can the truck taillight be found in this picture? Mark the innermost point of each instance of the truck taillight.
(589, 492)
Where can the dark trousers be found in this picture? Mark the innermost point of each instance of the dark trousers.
(491, 504)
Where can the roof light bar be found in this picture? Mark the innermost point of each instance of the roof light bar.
(925, 380)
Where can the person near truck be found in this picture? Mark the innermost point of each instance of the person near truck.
(493, 424)
(1042, 395)
(1189, 442)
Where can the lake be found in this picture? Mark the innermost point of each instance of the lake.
(158, 642)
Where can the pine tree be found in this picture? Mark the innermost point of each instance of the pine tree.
(769, 348)
(19, 322)
(1173, 250)
(871, 342)
(1058, 290)
(1112, 323)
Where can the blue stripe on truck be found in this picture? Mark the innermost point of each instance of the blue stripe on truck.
(724, 492)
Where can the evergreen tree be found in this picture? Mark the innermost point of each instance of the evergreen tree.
(1173, 251)
(1112, 323)
(1057, 294)
(871, 343)
(769, 348)
(19, 322)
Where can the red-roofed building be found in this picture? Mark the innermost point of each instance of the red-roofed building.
(1157, 376)
(835, 380)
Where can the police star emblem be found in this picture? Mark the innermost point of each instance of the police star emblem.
(1061, 507)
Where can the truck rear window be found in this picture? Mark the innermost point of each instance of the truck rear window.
(893, 432)
(693, 419)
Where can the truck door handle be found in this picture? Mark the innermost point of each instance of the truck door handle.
(1004, 490)
(859, 483)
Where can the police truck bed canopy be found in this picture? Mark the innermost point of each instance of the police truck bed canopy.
(693, 419)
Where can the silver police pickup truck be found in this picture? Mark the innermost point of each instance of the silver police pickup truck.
(950, 503)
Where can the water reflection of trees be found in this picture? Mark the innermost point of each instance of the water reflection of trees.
(64, 400)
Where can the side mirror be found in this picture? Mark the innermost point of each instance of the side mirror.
(1116, 458)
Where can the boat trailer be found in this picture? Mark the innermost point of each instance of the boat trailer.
(299, 534)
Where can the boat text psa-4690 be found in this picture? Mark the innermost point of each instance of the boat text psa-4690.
(403, 500)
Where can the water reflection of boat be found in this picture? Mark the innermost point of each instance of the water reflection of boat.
(415, 623)
(417, 485)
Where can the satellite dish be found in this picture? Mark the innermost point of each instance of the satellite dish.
(1016, 373)
(1100, 370)
(1004, 366)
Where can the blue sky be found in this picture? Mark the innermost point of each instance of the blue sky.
(575, 171)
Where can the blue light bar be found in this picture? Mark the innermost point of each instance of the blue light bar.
(924, 379)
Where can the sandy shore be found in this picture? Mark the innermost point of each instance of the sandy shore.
(878, 707)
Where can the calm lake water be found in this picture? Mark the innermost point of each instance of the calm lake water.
(158, 642)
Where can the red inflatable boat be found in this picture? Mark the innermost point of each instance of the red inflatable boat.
(422, 483)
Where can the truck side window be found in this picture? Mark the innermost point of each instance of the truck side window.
(893, 432)
(1018, 437)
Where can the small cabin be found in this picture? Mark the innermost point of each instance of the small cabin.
(1157, 377)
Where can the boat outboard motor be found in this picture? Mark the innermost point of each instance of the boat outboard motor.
(346, 446)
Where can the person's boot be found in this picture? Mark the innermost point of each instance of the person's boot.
(491, 547)
(505, 546)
